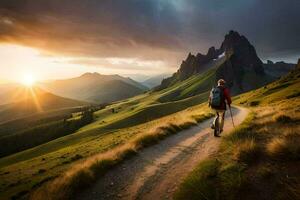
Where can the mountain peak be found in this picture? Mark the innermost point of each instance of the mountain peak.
(233, 33)
(241, 59)
(234, 40)
(90, 74)
(244, 52)
(212, 53)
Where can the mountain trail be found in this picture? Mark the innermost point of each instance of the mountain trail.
(156, 171)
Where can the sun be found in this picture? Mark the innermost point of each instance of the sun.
(28, 80)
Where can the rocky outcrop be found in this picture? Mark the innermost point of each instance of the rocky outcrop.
(244, 54)
(242, 62)
(241, 58)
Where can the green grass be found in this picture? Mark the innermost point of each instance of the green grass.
(116, 125)
(195, 85)
(109, 130)
(259, 159)
(199, 183)
(282, 90)
(19, 172)
(86, 172)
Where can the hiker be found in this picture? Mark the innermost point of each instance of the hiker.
(217, 101)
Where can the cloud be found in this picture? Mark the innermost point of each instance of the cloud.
(119, 63)
(153, 30)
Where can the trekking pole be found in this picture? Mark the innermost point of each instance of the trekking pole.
(231, 116)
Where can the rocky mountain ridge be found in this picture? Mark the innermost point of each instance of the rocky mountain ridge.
(241, 63)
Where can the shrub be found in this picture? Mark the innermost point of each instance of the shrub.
(282, 118)
(147, 140)
(81, 178)
(100, 166)
(243, 102)
(41, 171)
(254, 103)
(187, 125)
(296, 94)
(76, 157)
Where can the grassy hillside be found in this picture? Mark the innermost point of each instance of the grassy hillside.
(29, 101)
(31, 136)
(36, 117)
(50, 160)
(115, 125)
(123, 114)
(260, 159)
(199, 84)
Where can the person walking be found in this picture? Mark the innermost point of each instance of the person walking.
(217, 100)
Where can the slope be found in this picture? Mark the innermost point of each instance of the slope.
(94, 87)
(260, 159)
(28, 101)
(112, 126)
(155, 172)
(198, 84)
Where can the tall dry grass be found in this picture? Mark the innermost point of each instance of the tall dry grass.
(285, 146)
(247, 151)
(85, 173)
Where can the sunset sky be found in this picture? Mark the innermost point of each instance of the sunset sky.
(65, 38)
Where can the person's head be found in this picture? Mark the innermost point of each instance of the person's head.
(221, 82)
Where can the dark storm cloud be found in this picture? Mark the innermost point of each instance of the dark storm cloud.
(149, 29)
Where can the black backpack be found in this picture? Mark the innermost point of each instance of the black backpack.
(216, 97)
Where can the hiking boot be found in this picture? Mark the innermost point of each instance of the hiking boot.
(216, 135)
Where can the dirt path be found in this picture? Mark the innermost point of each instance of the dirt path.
(156, 171)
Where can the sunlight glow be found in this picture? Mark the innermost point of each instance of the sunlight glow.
(28, 80)
(17, 60)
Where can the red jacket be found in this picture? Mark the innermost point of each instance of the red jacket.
(226, 97)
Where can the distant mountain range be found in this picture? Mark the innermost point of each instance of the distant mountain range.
(154, 81)
(96, 88)
(277, 69)
(235, 61)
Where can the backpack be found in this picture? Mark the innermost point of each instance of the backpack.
(216, 97)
